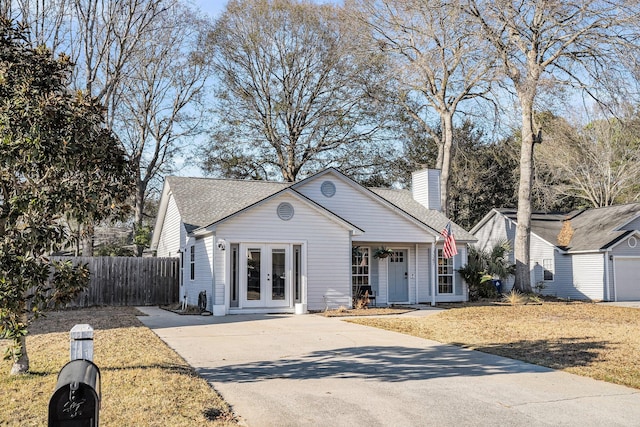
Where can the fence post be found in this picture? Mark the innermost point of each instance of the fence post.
(81, 342)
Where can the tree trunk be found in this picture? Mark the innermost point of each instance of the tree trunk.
(21, 366)
(522, 247)
(138, 213)
(447, 139)
(87, 239)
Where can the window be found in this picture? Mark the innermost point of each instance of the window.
(547, 264)
(235, 274)
(192, 262)
(397, 256)
(359, 268)
(297, 272)
(445, 273)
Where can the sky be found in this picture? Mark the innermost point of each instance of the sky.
(212, 7)
(215, 7)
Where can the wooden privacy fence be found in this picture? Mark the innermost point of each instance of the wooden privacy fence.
(120, 281)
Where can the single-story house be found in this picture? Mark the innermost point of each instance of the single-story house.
(258, 246)
(587, 254)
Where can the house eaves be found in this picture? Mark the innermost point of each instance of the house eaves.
(544, 234)
(594, 230)
(208, 229)
(162, 212)
(437, 219)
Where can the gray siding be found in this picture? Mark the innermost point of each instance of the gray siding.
(380, 224)
(173, 233)
(328, 245)
(498, 228)
(541, 250)
(633, 225)
(424, 273)
(203, 279)
(219, 271)
(627, 247)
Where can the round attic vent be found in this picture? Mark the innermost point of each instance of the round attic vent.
(328, 189)
(632, 242)
(285, 211)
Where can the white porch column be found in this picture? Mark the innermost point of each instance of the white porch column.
(434, 271)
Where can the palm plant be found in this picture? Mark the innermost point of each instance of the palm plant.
(483, 265)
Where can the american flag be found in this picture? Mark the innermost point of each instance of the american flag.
(449, 242)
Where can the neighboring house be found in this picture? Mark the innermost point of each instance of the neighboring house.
(589, 254)
(257, 246)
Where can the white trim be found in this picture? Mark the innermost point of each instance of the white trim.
(586, 251)
(453, 275)
(162, 212)
(607, 296)
(621, 226)
(434, 266)
(634, 233)
(211, 228)
(416, 275)
(364, 190)
(243, 245)
(400, 248)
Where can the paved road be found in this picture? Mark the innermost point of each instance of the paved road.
(315, 371)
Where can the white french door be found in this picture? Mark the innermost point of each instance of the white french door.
(267, 278)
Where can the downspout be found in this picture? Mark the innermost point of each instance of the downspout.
(434, 267)
(606, 275)
(416, 276)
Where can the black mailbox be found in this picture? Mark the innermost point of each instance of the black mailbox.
(76, 399)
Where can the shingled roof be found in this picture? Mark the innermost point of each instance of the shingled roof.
(404, 200)
(593, 229)
(203, 201)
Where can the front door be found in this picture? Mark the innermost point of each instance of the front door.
(398, 279)
(267, 281)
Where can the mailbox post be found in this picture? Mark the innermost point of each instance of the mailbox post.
(81, 342)
(76, 399)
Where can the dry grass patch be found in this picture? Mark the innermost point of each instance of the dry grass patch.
(373, 311)
(597, 341)
(144, 383)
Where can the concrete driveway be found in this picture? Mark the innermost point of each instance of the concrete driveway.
(315, 371)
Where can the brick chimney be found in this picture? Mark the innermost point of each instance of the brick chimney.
(425, 188)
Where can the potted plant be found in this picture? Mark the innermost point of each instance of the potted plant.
(382, 252)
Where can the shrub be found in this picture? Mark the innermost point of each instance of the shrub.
(514, 298)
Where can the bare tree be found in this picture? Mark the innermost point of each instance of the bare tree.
(144, 60)
(436, 64)
(293, 90)
(161, 102)
(598, 163)
(548, 42)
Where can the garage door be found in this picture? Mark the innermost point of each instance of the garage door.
(627, 276)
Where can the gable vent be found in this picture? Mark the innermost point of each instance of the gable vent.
(285, 211)
(328, 189)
